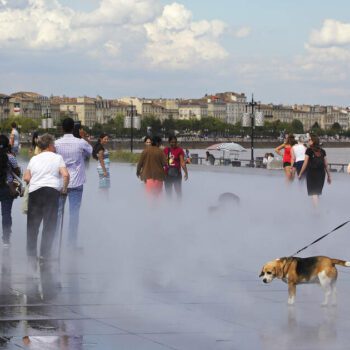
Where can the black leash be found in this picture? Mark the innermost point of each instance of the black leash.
(318, 239)
(290, 258)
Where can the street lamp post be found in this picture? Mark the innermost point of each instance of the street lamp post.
(47, 114)
(132, 128)
(252, 104)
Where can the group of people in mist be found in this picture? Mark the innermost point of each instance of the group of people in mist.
(55, 174)
(303, 161)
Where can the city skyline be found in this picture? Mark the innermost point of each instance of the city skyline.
(284, 52)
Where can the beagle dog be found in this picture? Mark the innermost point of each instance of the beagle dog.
(293, 271)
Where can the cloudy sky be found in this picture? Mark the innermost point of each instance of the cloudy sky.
(283, 51)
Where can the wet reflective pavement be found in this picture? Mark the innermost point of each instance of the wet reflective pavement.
(144, 288)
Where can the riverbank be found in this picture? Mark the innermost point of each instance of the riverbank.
(203, 144)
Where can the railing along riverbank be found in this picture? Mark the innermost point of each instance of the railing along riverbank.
(258, 163)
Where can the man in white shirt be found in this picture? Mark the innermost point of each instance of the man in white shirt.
(73, 150)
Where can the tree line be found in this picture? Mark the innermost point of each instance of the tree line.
(206, 127)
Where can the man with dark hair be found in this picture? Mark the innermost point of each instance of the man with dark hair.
(14, 139)
(150, 167)
(74, 151)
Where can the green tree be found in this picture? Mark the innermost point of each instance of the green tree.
(297, 126)
(336, 127)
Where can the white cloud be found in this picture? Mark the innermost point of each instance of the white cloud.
(332, 33)
(166, 36)
(175, 41)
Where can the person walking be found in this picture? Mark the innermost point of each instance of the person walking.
(14, 139)
(287, 158)
(175, 162)
(150, 167)
(101, 154)
(73, 151)
(44, 174)
(316, 165)
(298, 155)
(8, 166)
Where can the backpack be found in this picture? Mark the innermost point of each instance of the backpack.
(317, 160)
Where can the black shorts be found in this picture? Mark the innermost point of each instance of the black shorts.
(285, 164)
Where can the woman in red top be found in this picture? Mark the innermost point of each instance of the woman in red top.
(287, 156)
(175, 161)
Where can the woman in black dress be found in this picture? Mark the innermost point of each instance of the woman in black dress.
(317, 167)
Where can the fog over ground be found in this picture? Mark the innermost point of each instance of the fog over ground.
(187, 278)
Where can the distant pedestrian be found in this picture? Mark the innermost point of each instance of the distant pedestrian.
(287, 145)
(188, 157)
(175, 163)
(316, 165)
(210, 159)
(74, 151)
(150, 167)
(34, 149)
(44, 175)
(14, 139)
(101, 154)
(8, 165)
(298, 155)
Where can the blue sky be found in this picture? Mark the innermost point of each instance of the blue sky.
(283, 51)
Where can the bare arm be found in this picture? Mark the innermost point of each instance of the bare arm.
(183, 166)
(279, 149)
(306, 162)
(27, 176)
(65, 174)
(12, 138)
(292, 157)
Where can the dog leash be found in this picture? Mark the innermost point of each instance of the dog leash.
(290, 258)
(318, 239)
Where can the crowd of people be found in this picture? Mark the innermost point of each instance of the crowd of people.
(56, 174)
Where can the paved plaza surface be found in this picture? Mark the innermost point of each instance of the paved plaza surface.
(175, 275)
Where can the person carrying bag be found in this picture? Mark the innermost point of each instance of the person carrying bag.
(8, 191)
(176, 162)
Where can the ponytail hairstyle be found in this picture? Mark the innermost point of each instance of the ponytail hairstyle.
(98, 147)
(4, 149)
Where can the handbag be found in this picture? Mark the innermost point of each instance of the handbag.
(172, 170)
(16, 186)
